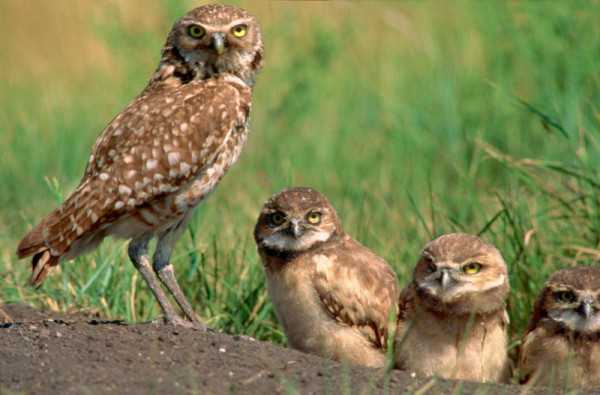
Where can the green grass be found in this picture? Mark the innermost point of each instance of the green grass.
(414, 119)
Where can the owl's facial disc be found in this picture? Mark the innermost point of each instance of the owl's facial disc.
(451, 280)
(578, 314)
(294, 233)
(443, 281)
(206, 45)
(576, 321)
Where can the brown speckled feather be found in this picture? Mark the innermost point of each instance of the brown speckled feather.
(357, 288)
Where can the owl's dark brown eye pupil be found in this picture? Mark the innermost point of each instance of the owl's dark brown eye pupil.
(566, 296)
(277, 218)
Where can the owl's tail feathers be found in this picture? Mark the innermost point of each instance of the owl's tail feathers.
(43, 262)
(65, 233)
(47, 242)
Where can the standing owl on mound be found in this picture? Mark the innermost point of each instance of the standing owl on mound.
(561, 344)
(333, 296)
(162, 155)
(453, 320)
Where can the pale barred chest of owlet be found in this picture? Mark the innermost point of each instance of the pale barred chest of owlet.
(163, 154)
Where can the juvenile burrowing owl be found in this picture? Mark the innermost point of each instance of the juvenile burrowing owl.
(561, 344)
(163, 154)
(333, 296)
(452, 319)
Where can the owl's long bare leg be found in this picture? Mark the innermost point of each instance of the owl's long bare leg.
(138, 253)
(164, 269)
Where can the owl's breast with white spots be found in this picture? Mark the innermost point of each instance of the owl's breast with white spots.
(200, 187)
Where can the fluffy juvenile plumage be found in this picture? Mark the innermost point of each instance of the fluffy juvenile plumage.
(163, 154)
(452, 319)
(332, 295)
(562, 341)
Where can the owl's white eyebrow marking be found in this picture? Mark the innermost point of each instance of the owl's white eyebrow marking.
(230, 25)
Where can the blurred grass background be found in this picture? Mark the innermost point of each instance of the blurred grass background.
(414, 119)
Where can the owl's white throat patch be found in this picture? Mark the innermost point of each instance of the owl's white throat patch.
(573, 320)
(459, 287)
(279, 241)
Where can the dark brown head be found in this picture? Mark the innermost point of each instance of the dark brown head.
(213, 39)
(295, 220)
(570, 300)
(461, 273)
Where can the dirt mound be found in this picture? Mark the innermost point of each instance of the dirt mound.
(46, 352)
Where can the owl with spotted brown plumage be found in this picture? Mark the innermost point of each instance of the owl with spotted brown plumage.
(333, 296)
(162, 155)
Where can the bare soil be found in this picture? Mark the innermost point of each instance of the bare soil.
(56, 353)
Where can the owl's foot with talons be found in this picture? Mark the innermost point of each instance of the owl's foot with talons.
(177, 321)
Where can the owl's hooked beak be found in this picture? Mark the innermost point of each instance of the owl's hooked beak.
(218, 43)
(446, 280)
(295, 229)
(586, 308)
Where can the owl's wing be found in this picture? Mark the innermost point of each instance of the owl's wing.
(170, 137)
(530, 336)
(358, 289)
(157, 144)
(408, 309)
(407, 302)
(526, 370)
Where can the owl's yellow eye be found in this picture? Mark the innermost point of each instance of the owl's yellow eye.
(314, 217)
(472, 268)
(196, 31)
(240, 30)
(277, 218)
(566, 296)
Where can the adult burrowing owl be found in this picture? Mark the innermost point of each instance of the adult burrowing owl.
(452, 319)
(561, 344)
(163, 154)
(333, 296)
